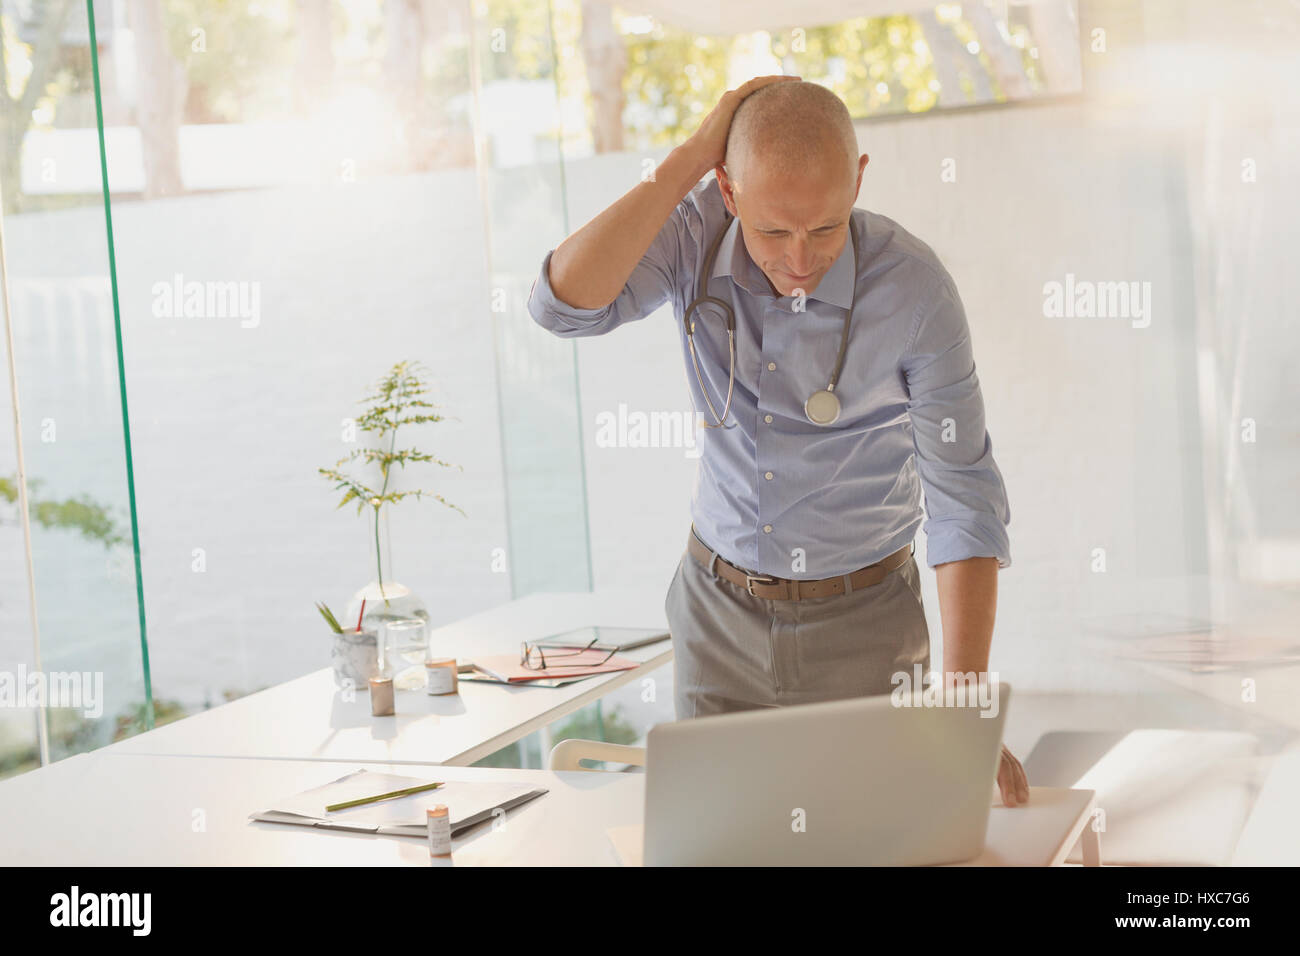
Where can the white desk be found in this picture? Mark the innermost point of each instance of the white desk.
(311, 719)
(1275, 689)
(107, 808)
(1269, 837)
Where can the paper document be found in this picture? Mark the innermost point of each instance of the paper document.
(467, 803)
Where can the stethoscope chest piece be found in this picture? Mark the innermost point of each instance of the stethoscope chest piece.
(822, 407)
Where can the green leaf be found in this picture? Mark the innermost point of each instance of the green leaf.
(394, 402)
(326, 613)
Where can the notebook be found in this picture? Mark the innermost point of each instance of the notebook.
(467, 804)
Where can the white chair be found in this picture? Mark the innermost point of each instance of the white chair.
(568, 754)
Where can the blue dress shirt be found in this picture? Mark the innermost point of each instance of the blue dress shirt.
(776, 494)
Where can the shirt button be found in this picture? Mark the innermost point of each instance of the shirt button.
(767, 529)
(768, 419)
(771, 366)
(768, 476)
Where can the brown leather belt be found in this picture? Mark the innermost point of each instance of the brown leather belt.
(786, 589)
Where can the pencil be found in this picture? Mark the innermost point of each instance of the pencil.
(383, 796)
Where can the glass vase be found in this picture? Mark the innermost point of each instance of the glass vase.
(394, 601)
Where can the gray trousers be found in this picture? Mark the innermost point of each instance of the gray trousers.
(733, 651)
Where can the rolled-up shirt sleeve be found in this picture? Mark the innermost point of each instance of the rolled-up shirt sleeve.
(965, 497)
(652, 283)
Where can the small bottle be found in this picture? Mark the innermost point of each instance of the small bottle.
(440, 676)
(381, 696)
(439, 820)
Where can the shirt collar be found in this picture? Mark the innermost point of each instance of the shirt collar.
(836, 287)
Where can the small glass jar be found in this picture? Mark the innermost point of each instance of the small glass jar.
(403, 649)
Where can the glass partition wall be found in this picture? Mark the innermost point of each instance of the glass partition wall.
(297, 226)
(521, 135)
(299, 239)
(87, 678)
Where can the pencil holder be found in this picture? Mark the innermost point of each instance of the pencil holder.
(356, 657)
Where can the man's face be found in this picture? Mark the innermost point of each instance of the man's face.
(794, 226)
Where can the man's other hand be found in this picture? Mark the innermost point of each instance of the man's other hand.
(1012, 782)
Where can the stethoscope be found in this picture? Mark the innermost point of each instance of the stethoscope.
(823, 405)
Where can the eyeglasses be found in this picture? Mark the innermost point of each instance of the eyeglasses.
(533, 657)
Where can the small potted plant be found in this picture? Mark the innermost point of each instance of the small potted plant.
(356, 652)
(397, 400)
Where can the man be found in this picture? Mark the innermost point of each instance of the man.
(798, 583)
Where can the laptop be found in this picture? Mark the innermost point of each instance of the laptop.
(859, 782)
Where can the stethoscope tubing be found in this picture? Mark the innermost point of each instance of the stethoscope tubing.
(729, 316)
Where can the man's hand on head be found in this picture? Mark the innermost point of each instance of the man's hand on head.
(708, 144)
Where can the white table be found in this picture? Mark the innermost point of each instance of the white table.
(1269, 836)
(106, 808)
(1275, 688)
(311, 719)
(110, 809)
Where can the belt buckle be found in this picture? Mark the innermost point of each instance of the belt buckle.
(752, 579)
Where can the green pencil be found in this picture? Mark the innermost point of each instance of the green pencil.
(382, 796)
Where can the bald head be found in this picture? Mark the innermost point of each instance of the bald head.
(791, 176)
(790, 129)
